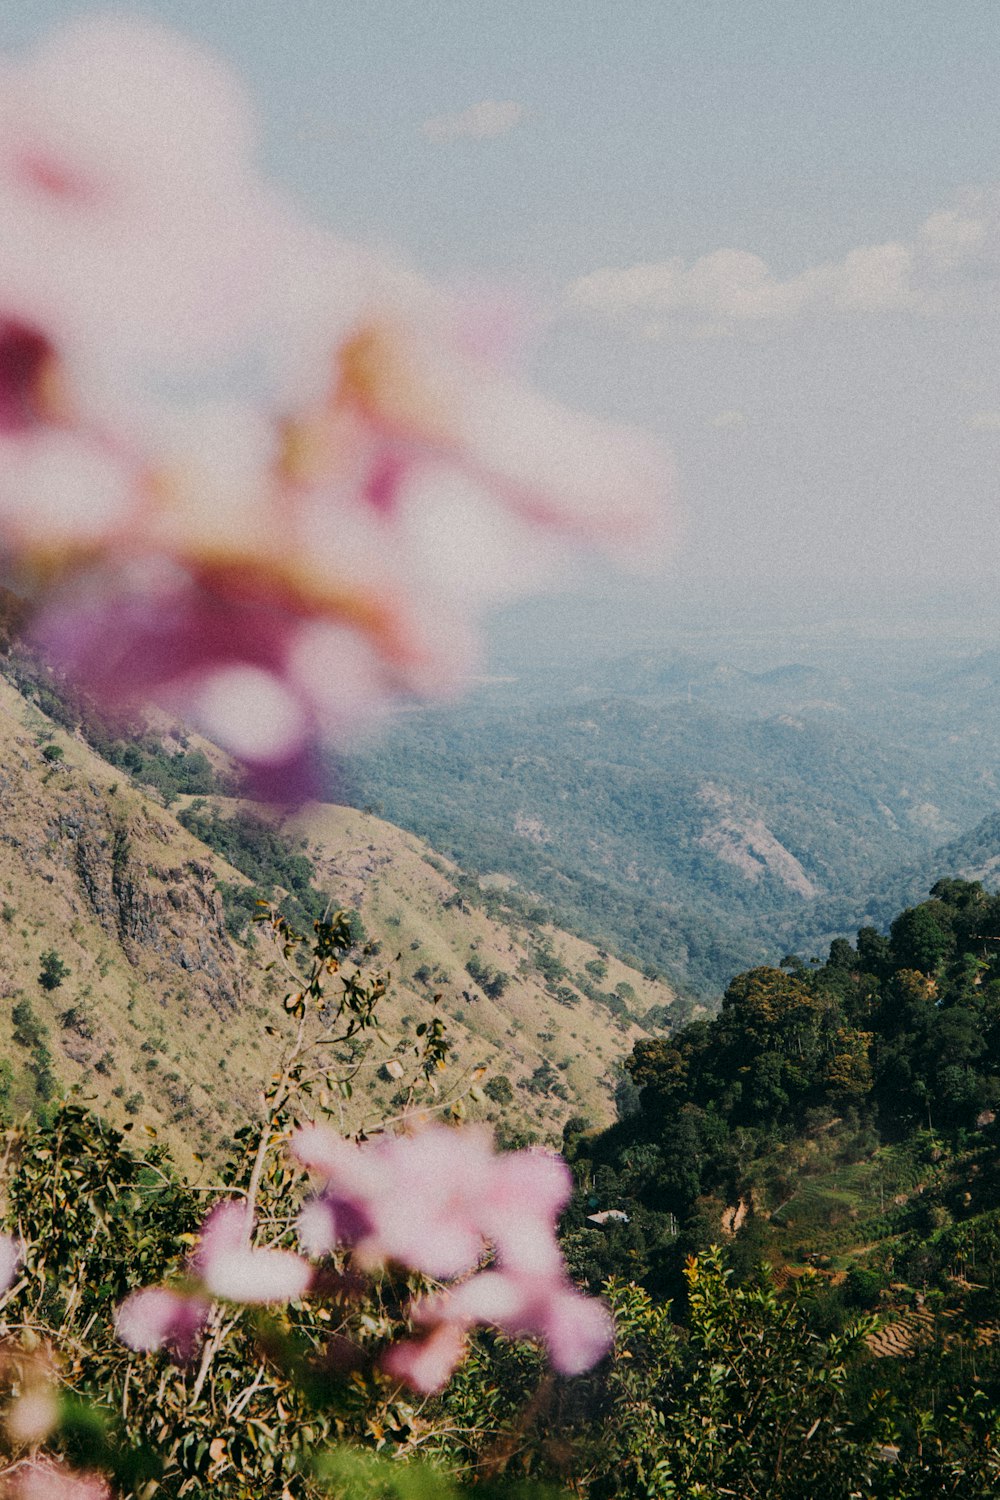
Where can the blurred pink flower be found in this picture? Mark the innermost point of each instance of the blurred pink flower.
(38, 1479)
(223, 1264)
(428, 1210)
(415, 1200)
(158, 1318)
(131, 217)
(345, 1213)
(10, 1258)
(576, 1329)
(134, 237)
(437, 1202)
(277, 568)
(229, 1267)
(63, 484)
(426, 1364)
(432, 1200)
(528, 1192)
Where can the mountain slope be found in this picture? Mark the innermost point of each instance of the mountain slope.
(120, 972)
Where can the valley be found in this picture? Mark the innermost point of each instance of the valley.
(805, 1147)
(699, 812)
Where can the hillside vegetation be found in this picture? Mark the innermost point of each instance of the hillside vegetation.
(842, 1114)
(794, 1219)
(130, 965)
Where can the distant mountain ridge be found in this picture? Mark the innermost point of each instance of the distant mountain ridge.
(974, 855)
(699, 813)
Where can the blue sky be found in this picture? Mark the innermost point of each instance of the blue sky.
(833, 402)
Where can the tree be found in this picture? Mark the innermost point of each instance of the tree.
(842, 955)
(53, 970)
(922, 938)
(874, 952)
(498, 1089)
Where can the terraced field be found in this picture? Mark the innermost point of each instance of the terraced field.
(837, 1211)
(903, 1336)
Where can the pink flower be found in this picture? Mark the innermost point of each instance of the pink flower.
(130, 215)
(224, 1264)
(11, 1251)
(39, 1479)
(257, 675)
(428, 1215)
(344, 1214)
(529, 1191)
(43, 1481)
(426, 1364)
(64, 484)
(411, 1199)
(230, 1268)
(278, 569)
(26, 359)
(133, 236)
(158, 1318)
(414, 387)
(576, 1329)
(435, 1202)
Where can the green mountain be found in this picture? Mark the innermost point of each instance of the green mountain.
(665, 796)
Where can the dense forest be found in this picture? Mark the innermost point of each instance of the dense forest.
(892, 1045)
(834, 1129)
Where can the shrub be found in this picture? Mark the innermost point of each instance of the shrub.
(53, 970)
(498, 1089)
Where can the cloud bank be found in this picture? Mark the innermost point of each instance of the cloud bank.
(951, 263)
(480, 122)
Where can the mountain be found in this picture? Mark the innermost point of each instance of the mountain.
(700, 811)
(974, 855)
(129, 968)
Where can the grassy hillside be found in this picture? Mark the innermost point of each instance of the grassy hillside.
(127, 966)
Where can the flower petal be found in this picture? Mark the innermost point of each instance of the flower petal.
(11, 1251)
(257, 1277)
(426, 1364)
(157, 1318)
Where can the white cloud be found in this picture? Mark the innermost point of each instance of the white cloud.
(951, 238)
(480, 122)
(984, 421)
(952, 261)
(726, 419)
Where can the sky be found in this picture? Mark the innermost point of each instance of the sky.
(768, 230)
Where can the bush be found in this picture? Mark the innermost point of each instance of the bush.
(498, 1089)
(53, 970)
(863, 1286)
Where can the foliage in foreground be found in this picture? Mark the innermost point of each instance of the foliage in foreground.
(748, 1398)
(745, 1388)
